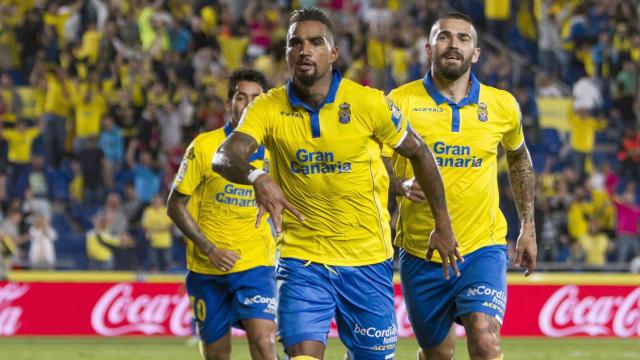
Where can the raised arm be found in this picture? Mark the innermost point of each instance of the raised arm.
(177, 211)
(230, 161)
(428, 177)
(522, 184)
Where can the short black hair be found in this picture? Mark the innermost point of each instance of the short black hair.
(458, 16)
(245, 74)
(312, 14)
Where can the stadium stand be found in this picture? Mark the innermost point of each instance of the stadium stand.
(114, 90)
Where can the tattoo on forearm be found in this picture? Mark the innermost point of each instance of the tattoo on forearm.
(522, 182)
(231, 159)
(177, 211)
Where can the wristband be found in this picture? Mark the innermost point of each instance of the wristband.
(406, 186)
(254, 174)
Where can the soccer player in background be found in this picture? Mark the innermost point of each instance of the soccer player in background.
(463, 121)
(231, 278)
(325, 134)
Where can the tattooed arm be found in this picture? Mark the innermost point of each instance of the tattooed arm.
(230, 161)
(522, 184)
(428, 177)
(177, 211)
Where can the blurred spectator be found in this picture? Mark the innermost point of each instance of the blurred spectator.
(629, 155)
(57, 109)
(89, 106)
(100, 244)
(7, 251)
(595, 244)
(157, 226)
(92, 164)
(627, 224)
(42, 253)
(111, 142)
(20, 141)
(583, 136)
(10, 100)
(147, 179)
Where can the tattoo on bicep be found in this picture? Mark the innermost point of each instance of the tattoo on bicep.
(522, 180)
(230, 160)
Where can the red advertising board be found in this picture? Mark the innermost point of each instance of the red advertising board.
(133, 308)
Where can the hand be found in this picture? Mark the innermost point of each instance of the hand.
(271, 199)
(223, 259)
(526, 248)
(412, 191)
(445, 243)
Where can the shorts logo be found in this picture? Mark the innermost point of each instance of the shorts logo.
(389, 336)
(498, 299)
(483, 113)
(201, 310)
(259, 299)
(344, 114)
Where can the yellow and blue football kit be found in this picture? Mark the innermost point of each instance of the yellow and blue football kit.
(225, 212)
(464, 138)
(327, 160)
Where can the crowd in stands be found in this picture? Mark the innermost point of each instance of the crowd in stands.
(99, 99)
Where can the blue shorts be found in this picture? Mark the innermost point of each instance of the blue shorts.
(434, 303)
(221, 301)
(360, 298)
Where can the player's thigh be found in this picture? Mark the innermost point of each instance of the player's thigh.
(429, 299)
(211, 303)
(305, 304)
(366, 314)
(443, 351)
(219, 349)
(254, 304)
(254, 294)
(483, 284)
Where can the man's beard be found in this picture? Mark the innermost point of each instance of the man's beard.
(308, 79)
(451, 71)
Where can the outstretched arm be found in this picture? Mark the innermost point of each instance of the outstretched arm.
(177, 211)
(522, 184)
(231, 162)
(428, 177)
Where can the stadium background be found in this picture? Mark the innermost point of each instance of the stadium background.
(99, 98)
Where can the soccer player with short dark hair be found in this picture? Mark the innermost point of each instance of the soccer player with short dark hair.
(463, 121)
(325, 134)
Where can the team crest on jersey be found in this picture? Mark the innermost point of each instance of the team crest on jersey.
(344, 114)
(190, 155)
(483, 113)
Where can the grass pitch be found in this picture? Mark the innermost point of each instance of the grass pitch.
(99, 348)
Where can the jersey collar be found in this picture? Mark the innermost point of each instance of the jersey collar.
(336, 78)
(228, 129)
(432, 90)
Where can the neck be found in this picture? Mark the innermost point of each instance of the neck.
(454, 90)
(314, 94)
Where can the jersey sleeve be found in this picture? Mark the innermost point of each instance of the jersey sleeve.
(513, 138)
(390, 126)
(254, 120)
(191, 171)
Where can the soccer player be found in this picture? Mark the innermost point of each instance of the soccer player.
(231, 279)
(463, 121)
(325, 134)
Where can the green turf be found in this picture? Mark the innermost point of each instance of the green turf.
(67, 348)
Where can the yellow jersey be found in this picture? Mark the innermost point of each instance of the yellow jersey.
(224, 211)
(157, 225)
(328, 163)
(20, 143)
(464, 138)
